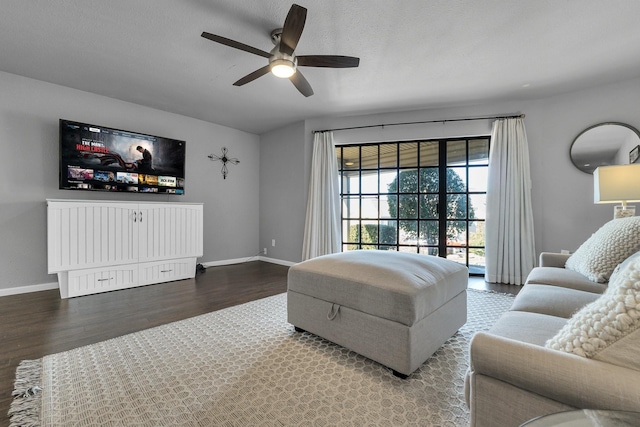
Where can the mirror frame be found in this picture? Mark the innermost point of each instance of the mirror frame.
(634, 130)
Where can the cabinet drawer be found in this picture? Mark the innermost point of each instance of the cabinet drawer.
(94, 280)
(166, 271)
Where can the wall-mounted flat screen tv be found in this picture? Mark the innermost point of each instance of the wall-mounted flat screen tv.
(99, 158)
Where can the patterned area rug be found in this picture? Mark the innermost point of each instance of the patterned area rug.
(244, 366)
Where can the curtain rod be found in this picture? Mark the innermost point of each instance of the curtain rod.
(512, 116)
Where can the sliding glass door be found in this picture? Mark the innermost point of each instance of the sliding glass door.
(417, 196)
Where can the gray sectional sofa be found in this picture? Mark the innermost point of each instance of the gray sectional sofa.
(570, 340)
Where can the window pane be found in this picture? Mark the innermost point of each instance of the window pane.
(456, 206)
(369, 156)
(369, 182)
(476, 233)
(351, 158)
(388, 183)
(477, 261)
(456, 180)
(428, 206)
(456, 233)
(429, 232)
(388, 155)
(350, 182)
(351, 231)
(479, 151)
(429, 153)
(429, 180)
(369, 207)
(389, 232)
(408, 206)
(458, 255)
(369, 232)
(409, 181)
(389, 206)
(478, 206)
(433, 251)
(408, 232)
(456, 153)
(351, 207)
(478, 178)
(409, 154)
(409, 249)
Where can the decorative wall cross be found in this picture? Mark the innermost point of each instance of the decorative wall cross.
(224, 159)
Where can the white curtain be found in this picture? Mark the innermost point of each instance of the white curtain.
(510, 246)
(322, 225)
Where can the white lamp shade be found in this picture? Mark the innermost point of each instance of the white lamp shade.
(616, 184)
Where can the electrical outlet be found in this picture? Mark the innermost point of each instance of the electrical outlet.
(264, 251)
(273, 242)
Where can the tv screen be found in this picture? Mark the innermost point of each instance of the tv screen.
(99, 158)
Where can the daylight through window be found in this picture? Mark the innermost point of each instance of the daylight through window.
(424, 197)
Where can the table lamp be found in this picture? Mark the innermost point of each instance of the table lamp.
(617, 184)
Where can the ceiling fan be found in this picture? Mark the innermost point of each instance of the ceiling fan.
(283, 62)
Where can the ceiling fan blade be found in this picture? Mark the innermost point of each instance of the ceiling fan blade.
(301, 84)
(237, 45)
(292, 29)
(329, 61)
(251, 77)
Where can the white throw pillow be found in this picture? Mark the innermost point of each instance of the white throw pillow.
(623, 265)
(607, 329)
(606, 248)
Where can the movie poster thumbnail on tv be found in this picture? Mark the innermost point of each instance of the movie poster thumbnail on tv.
(105, 159)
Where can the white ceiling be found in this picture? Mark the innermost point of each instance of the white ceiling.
(413, 53)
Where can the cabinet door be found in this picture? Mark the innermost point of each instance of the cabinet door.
(169, 231)
(85, 235)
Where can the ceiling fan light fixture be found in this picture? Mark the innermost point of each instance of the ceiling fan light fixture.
(283, 68)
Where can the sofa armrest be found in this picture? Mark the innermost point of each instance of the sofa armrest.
(573, 380)
(553, 259)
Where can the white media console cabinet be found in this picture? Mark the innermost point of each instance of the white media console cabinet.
(100, 246)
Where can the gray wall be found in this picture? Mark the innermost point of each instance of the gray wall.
(283, 189)
(564, 212)
(29, 113)
(264, 197)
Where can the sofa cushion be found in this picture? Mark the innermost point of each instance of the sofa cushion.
(606, 248)
(608, 329)
(564, 278)
(532, 328)
(552, 300)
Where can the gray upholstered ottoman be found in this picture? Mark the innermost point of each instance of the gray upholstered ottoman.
(395, 308)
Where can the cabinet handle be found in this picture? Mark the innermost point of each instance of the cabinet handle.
(104, 280)
(135, 216)
(140, 216)
(165, 271)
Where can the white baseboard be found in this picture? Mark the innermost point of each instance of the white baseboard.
(28, 288)
(277, 261)
(54, 285)
(253, 258)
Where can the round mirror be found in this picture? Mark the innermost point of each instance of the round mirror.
(602, 145)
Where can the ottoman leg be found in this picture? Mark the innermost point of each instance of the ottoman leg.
(299, 329)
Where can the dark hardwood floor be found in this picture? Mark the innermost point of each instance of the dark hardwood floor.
(40, 323)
